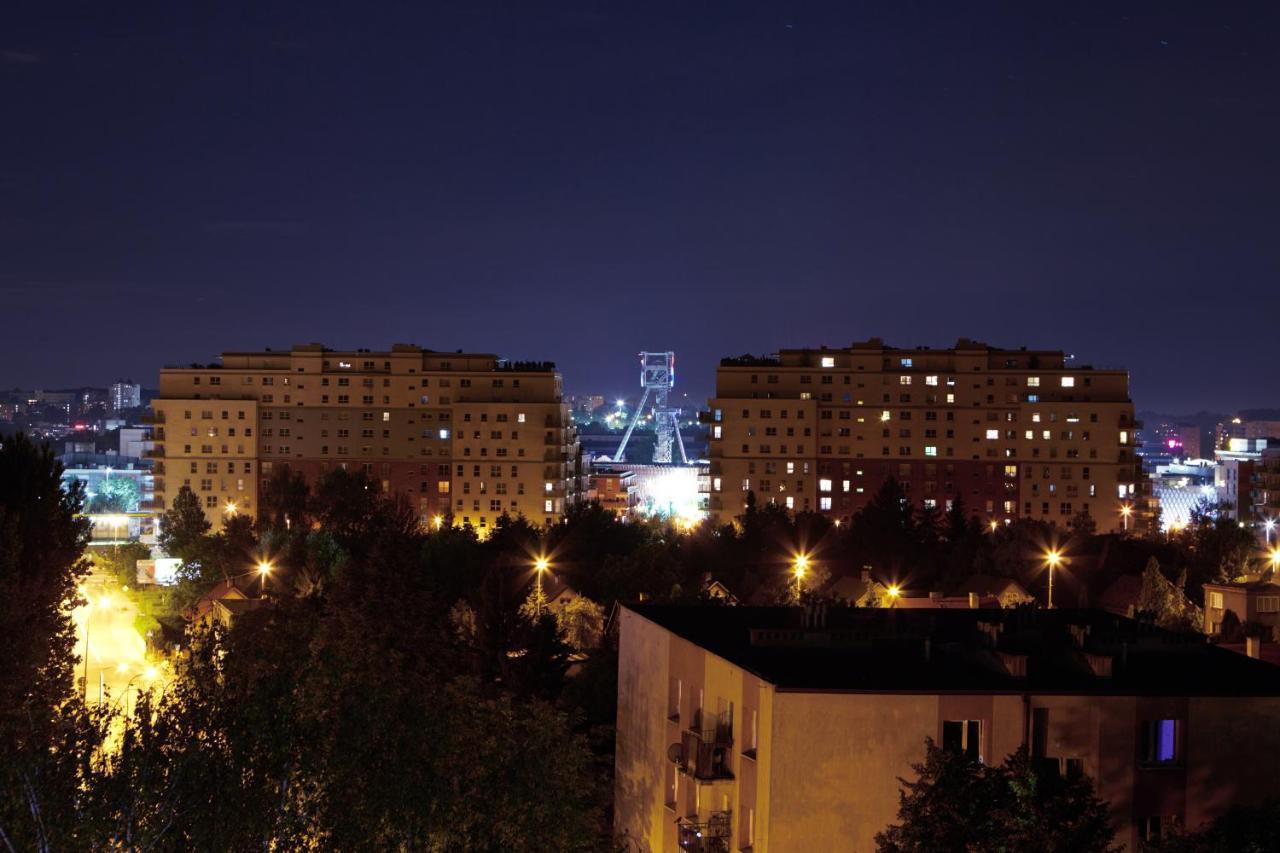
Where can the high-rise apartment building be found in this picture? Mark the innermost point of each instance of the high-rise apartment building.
(461, 435)
(1014, 433)
(124, 394)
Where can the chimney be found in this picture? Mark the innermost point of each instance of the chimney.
(1253, 646)
(974, 604)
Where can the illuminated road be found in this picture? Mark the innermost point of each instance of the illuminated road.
(117, 652)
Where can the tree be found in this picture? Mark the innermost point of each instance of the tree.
(1244, 829)
(116, 494)
(1165, 600)
(284, 500)
(46, 736)
(958, 804)
(183, 526)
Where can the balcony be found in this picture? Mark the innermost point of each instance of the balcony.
(711, 836)
(705, 748)
(154, 452)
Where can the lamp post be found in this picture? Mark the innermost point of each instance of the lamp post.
(264, 569)
(540, 567)
(798, 567)
(1126, 510)
(895, 592)
(1269, 525)
(1053, 558)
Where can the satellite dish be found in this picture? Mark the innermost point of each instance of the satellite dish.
(675, 753)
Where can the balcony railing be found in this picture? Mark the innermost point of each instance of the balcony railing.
(711, 836)
(156, 452)
(706, 748)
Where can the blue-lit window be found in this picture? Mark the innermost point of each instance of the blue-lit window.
(1033, 398)
(906, 362)
(1160, 742)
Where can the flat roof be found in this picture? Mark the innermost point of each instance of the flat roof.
(881, 650)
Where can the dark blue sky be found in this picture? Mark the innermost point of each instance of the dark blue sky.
(582, 180)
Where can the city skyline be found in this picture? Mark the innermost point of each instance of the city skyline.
(646, 180)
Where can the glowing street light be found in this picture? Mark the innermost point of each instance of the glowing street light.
(540, 567)
(895, 592)
(264, 568)
(1126, 510)
(799, 567)
(1053, 558)
(437, 521)
(995, 525)
(230, 509)
(1269, 525)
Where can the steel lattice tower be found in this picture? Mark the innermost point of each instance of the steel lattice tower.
(657, 378)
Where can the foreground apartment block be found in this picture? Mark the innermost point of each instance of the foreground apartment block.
(461, 435)
(1014, 433)
(782, 729)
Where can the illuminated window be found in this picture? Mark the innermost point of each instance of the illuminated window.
(906, 362)
(963, 736)
(993, 434)
(904, 380)
(931, 380)
(791, 502)
(444, 434)
(1033, 381)
(1215, 600)
(1124, 436)
(1068, 382)
(548, 506)
(824, 503)
(930, 450)
(951, 398)
(1158, 742)
(1029, 434)
(824, 485)
(828, 361)
(546, 487)
(520, 417)
(884, 416)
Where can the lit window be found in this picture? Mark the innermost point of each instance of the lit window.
(547, 486)
(520, 417)
(386, 416)
(930, 450)
(884, 416)
(824, 503)
(951, 398)
(824, 485)
(1158, 742)
(1033, 381)
(791, 502)
(906, 362)
(828, 361)
(904, 380)
(444, 433)
(1068, 382)
(715, 431)
(1029, 434)
(1124, 436)
(548, 506)
(715, 484)
(1215, 600)
(993, 434)
(931, 380)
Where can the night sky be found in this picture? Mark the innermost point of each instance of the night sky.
(579, 181)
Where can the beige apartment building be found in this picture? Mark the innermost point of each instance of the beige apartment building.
(464, 436)
(1014, 433)
(782, 730)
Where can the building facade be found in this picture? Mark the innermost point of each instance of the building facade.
(463, 436)
(1014, 433)
(777, 729)
(124, 394)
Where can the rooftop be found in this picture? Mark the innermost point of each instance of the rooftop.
(878, 650)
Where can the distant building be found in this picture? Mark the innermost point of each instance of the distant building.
(1007, 592)
(465, 436)
(124, 394)
(1254, 601)
(1013, 433)
(615, 489)
(785, 729)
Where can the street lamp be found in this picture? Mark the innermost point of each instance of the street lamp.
(798, 567)
(1053, 558)
(264, 569)
(230, 509)
(437, 521)
(540, 567)
(995, 525)
(1269, 525)
(1126, 510)
(895, 592)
